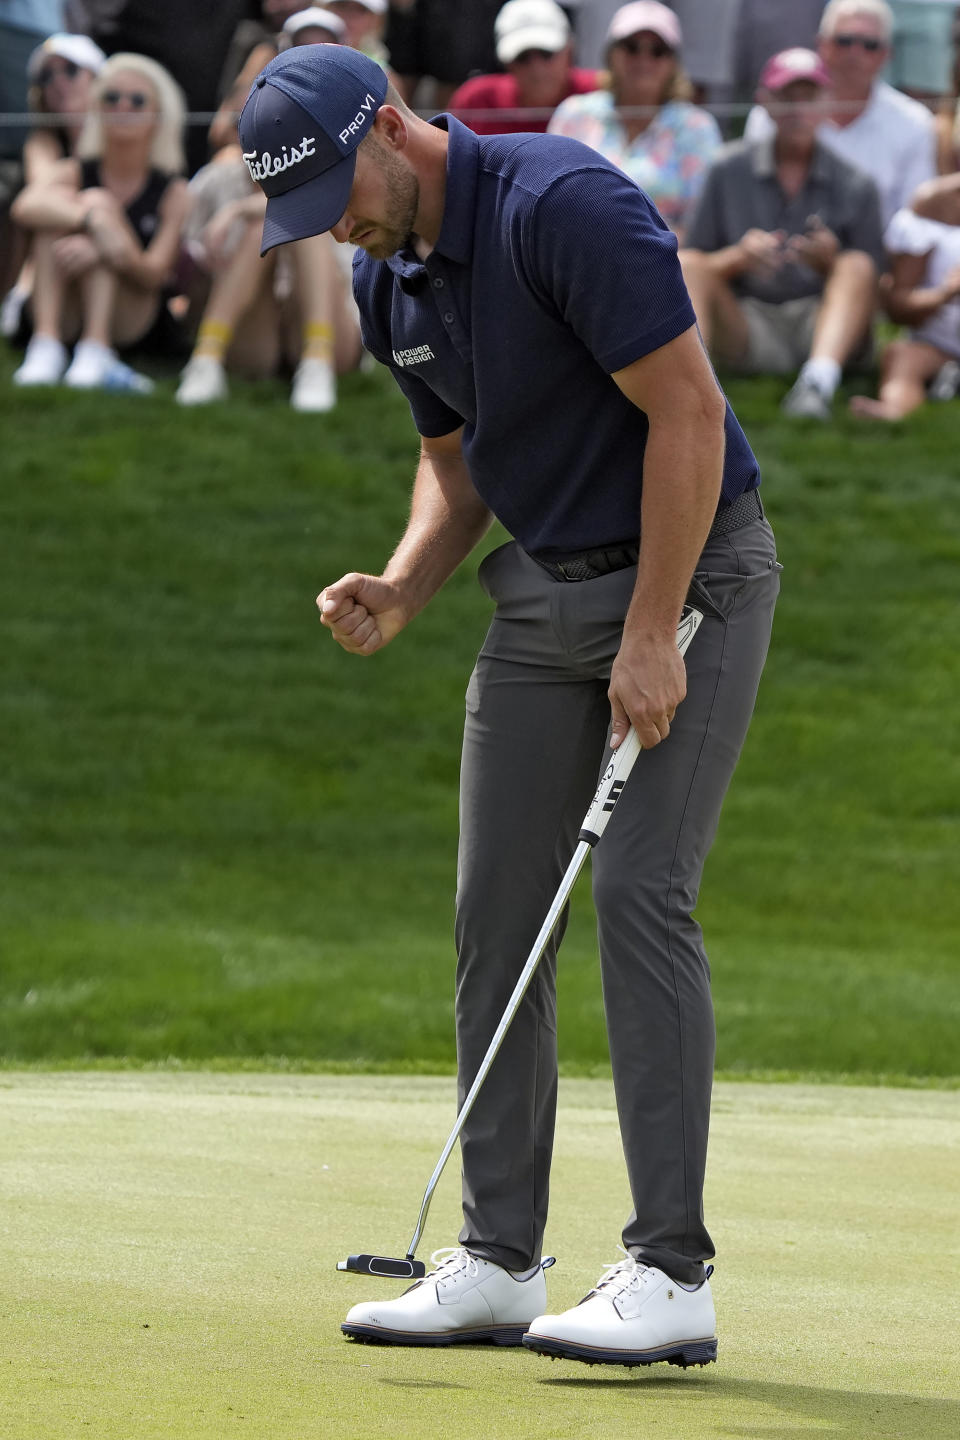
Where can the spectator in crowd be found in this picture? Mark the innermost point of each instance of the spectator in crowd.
(534, 47)
(923, 293)
(870, 125)
(106, 229)
(364, 21)
(314, 26)
(60, 72)
(785, 244)
(294, 307)
(921, 60)
(644, 123)
(442, 42)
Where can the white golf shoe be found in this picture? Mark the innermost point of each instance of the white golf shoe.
(462, 1301)
(635, 1315)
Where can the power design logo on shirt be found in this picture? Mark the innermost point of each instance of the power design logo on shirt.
(416, 356)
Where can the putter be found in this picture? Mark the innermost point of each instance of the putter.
(594, 823)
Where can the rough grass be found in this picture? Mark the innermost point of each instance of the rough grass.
(224, 840)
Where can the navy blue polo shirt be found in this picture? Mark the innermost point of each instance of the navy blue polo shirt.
(552, 270)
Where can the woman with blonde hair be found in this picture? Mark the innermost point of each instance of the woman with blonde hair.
(645, 123)
(106, 227)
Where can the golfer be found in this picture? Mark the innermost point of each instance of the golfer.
(528, 300)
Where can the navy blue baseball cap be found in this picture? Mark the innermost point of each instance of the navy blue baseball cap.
(306, 113)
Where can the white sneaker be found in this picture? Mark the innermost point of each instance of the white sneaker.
(462, 1301)
(635, 1315)
(806, 402)
(97, 367)
(44, 362)
(203, 381)
(11, 311)
(946, 383)
(90, 365)
(314, 387)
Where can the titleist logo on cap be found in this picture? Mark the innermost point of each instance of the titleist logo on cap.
(269, 165)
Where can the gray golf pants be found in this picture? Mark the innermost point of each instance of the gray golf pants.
(534, 743)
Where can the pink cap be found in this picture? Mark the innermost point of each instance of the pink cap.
(789, 65)
(646, 15)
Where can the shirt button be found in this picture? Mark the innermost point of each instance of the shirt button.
(438, 283)
(448, 318)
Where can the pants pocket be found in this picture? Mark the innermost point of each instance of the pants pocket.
(742, 561)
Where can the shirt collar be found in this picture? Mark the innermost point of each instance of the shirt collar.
(765, 166)
(455, 241)
(762, 158)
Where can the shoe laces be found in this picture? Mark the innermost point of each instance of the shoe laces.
(452, 1261)
(622, 1277)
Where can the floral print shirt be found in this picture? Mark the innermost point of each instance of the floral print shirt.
(668, 160)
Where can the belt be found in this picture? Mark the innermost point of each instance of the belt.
(591, 564)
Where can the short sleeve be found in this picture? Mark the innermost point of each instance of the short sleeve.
(759, 126)
(430, 415)
(910, 234)
(600, 253)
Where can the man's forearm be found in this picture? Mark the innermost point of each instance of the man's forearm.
(46, 206)
(913, 307)
(447, 518)
(727, 263)
(682, 474)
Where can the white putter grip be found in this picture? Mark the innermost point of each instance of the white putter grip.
(623, 758)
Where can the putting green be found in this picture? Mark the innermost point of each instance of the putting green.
(168, 1241)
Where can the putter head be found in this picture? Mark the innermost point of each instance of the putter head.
(406, 1269)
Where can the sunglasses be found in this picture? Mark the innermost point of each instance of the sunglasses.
(70, 71)
(526, 56)
(866, 42)
(654, 49)
(137, 98)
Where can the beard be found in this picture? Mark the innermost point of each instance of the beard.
(394, 231)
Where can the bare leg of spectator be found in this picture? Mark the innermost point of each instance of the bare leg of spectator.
(241, 292)
(845, 313)
(46, 356)
(330, 340)
(49, 285)
(846, 310)
(98, 290)
(907, 367)
(113, 313)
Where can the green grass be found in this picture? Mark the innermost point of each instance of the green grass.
(168, 1250)
(225, 840)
